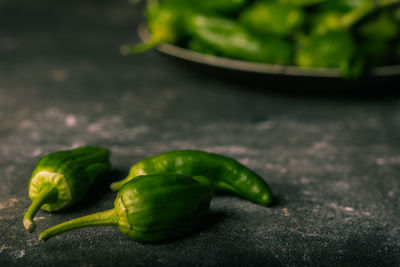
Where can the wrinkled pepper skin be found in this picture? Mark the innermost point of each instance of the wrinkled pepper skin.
(62, 178)
(150, 208)
(233, 40)
(227, 174)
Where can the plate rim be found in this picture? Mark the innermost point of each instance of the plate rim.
(254, 67)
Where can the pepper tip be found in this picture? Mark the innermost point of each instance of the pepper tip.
(29, 225)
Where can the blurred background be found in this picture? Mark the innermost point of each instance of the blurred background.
(316, 38)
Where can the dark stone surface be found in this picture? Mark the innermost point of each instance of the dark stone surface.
(332, 160)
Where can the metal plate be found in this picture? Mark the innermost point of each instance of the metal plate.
(246, 66)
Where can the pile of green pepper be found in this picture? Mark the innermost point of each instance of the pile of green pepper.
(351, 35)
(164, 196)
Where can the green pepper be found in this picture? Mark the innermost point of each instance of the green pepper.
(62, 178)
(272, 18)
(165, 22)
(233, 40)
(381, 27)
(200, 47)
(227, 174)
(334, 49)
(151, 208)
(324, 22)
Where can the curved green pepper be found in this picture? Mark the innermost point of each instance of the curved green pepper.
(227, 173)
(151, 208)
(233, 40)
(272, 18)
(62, 178)
(166, 20)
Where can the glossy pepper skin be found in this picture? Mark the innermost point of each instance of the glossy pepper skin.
(227, 174)
(62, 178)
(233, 40)
(151, 208)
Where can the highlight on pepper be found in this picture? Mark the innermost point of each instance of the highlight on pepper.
(63, 178)
(227, 174)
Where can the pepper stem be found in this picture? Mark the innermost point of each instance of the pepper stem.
(104, 218)
(117, 185)
(139, 48)
(42, 198)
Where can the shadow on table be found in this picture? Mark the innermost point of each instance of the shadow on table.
(383, 88)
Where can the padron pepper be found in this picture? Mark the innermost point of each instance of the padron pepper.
(199, 46)
(166, 20)
(151, 208)
(227, 174)
(233, 40)
(334, 49)
(62, 178)
(343, 15)
(272, 18)
(331, 44)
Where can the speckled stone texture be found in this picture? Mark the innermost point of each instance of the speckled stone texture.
(333, 161)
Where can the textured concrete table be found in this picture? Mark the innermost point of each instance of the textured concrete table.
(332, 161)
